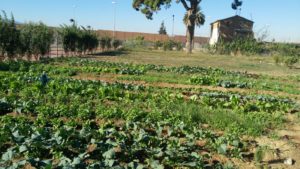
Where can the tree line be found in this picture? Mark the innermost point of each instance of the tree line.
(33, 40)
(30, 40)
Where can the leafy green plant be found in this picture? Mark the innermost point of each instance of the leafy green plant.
(170, 45)
(244, 46)
(291, 61)
(158, 45)
(116, 43)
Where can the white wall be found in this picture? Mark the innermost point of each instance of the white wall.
(214, 36)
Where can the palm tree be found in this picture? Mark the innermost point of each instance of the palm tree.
(199, 19)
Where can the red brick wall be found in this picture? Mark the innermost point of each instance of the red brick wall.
(149, 36)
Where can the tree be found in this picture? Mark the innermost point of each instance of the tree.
(236, 4)
(162, 29)
(199, 18)
(78, 40)
(70, 38)
(149, 7)
(9, 36)
(35, 39)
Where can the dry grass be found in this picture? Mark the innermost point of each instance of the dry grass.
(252, 64)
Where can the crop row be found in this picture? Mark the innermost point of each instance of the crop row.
(132, 145)
(25, 92)
(140, 69)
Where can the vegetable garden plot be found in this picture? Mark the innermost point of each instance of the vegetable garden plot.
(92, 124)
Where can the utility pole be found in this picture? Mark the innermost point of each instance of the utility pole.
(173, 26)
(114, 33)
(74, 12)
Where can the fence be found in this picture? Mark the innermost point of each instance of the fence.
(57, 49)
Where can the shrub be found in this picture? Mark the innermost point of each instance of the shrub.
(291, 61)
(9, 36)
(105, 43)
(89, 40)
(283, 49)
(137, 42)
(70, 37)
(36, 39)
(116, 43)
(170, 45)
(158, 44)
(245, 46)
(76, 39)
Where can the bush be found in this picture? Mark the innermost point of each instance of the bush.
(291, 61)
(79, 40)
(245, 46)
(158, 44)
(35, 39)
(116, 43)
(89, 40)
(288, 61)
(170, 45)
(70, 38)
(283, 49)
(105, 43)
(9, 37)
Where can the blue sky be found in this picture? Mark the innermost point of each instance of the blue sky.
(279, 17)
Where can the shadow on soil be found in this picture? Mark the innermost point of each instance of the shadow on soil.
(110, 53)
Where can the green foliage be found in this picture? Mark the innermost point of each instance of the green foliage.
(199, 17)
(116, 43)
(170, 45)
(70, 37)
(244, 46)
(105, 43)
(149, 7)
(194, 16)
(32, 39)
(5, 107)
(259, 154)
(162, 29)
(89, 40)
(283, 49)
(72, 123)
(137, 42)
(290, 61)
(158, 45)
(212, 80)
(9, 36)
(78, 40)
(35, 39)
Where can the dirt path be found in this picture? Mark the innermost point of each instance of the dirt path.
(292, 131)
(287, 146)
(113, 78)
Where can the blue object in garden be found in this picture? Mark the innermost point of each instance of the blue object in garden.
(44, 79)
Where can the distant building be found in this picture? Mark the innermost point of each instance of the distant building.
(230, 28)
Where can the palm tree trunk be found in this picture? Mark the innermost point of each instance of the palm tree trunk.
(190, 31)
